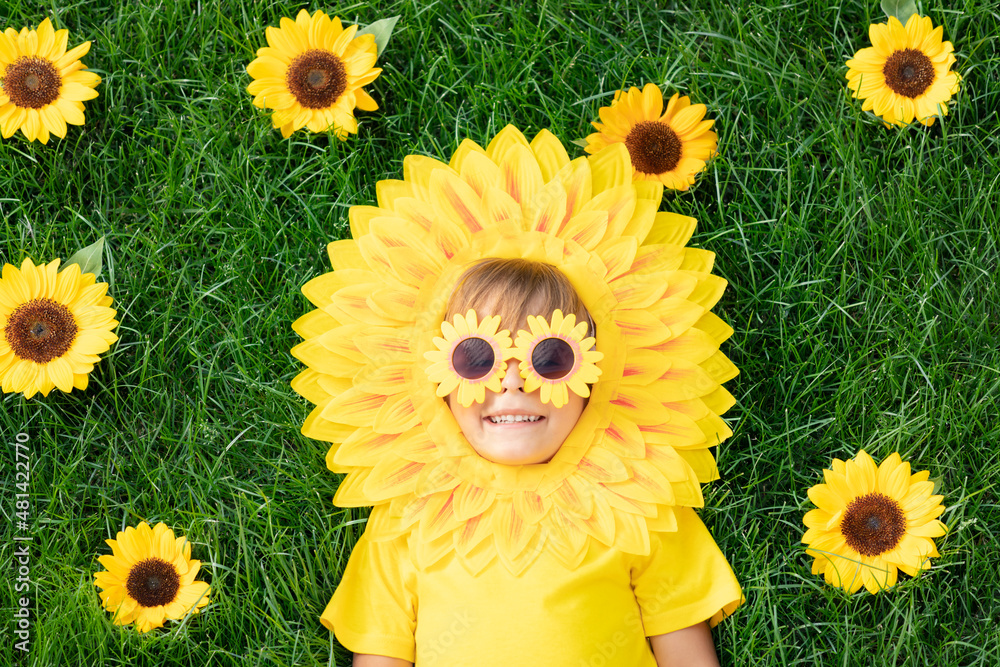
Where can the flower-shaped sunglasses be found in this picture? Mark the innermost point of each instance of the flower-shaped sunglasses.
(472, 357)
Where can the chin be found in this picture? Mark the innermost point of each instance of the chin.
(517, 458)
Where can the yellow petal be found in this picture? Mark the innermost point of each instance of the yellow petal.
(471, 500)
(454, 199)
(393, 476)
(75, 92)
(550, 154)
(610, 168)
(46, 38)
(520, 175)
(822, 496)
(476, 169)
(354, 407)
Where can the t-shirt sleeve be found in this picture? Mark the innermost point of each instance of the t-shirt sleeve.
(373, 610)
(685, 579)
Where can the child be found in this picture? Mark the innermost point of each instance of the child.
(392, 611)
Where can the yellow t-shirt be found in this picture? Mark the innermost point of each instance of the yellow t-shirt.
(599, 613)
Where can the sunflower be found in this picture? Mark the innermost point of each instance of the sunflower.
(871, 522)
(311, 74)
(55, 324)
(43, 86)
(573, 335)
(150, 577)
(669, 146)
(641, 446)
(905, 74)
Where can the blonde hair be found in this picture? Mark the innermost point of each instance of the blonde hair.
(514, 289)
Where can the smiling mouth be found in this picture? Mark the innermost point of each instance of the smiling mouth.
(512, 419)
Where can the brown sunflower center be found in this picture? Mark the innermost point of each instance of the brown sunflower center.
(40, 330)
(873, 524)
(317, 79)
(32, 83)
(908, 72)
(653, 147)
(153, 582)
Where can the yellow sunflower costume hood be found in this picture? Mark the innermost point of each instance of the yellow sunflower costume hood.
(641, 446)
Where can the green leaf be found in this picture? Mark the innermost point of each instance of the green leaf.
(382, 30)
(582, 143)
(90, 258)
(901, 9)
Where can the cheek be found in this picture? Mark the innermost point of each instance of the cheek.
(454, 406)
(464, 416)
(572, 411)
(570, 414)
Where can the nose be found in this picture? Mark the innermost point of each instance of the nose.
(512, 379)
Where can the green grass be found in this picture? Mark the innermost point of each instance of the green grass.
(863, 289)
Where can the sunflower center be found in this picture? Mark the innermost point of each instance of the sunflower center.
(653, 147)
(873, 524)
(317, 79)
(40, 330)
(32, 83)
(153, 582)
(908, 72)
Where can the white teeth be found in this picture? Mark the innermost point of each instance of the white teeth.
(510, 419)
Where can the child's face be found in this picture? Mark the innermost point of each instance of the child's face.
(516, 442)
(519, 442)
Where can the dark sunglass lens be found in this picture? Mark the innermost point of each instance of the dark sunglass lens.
(472, 358)
(553, 358)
